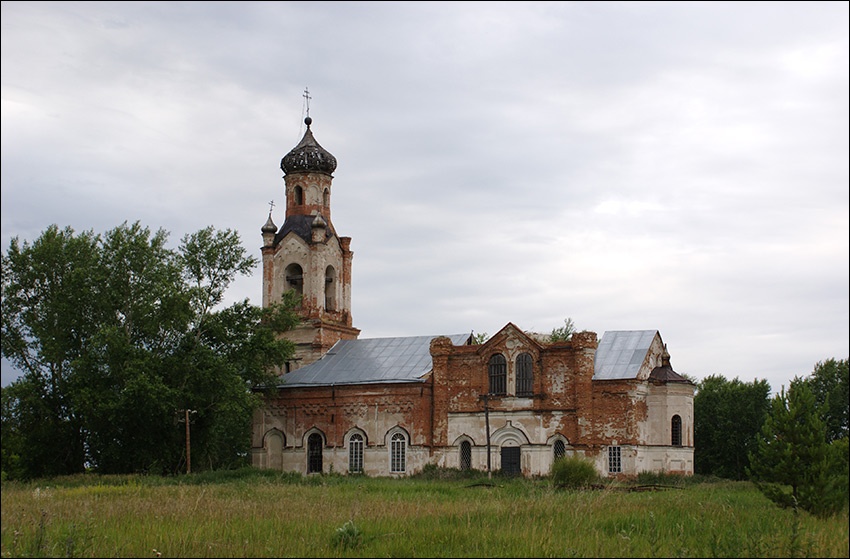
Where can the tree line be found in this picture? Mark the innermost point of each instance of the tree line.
(793, 446)
(118, 337)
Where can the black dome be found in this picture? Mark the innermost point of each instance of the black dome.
(308, 156)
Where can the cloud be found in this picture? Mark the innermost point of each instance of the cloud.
(679, 166)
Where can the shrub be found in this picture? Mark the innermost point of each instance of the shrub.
(348, 536)
(573, 472)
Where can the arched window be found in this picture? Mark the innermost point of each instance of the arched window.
(465, 455)
(330, 288)
(398, 453)
(524, 375)
(314, 453)
(497, 369)
(355, 453)
(295, 278)
(676, 430)
(299, 196)
(559, 449)
(326, 198)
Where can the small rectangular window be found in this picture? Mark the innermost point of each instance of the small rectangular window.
(615, 464)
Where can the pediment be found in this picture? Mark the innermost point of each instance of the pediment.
(509, 339)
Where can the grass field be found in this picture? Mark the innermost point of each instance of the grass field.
(252, 513)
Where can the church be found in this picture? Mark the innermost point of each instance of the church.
(390, 406)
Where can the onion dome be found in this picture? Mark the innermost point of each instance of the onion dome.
(269, 227)
(308, 156)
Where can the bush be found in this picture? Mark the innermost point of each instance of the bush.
(573, 472)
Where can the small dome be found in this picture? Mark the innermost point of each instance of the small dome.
(308, 156)
(269, 227)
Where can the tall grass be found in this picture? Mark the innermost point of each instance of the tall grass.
(252, 513)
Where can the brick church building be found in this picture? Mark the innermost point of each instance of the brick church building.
(389, 406)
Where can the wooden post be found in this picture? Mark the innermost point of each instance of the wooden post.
(188, 446)
(186, 413)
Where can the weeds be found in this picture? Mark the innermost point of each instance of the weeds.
(348, 536)
(259, 513)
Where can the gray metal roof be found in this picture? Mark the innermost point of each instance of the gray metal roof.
(370, 361)
(620, 353)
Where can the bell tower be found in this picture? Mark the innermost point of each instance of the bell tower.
(307, 256)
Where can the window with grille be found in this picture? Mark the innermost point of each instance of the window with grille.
(398, 454)
(524, 375)
(559, 449)
(355, 454)
(465, 455)
(676, 430)
(498, 371)
(615, 464)
(314, 453)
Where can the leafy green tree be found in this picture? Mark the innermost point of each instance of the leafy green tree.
(830, 383)
(116, 334)
(727, 418)
(791, 464)
(48, 320)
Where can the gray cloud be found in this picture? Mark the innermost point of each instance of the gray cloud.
(679, 166)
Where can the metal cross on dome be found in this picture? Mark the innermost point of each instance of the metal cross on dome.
(307, 99)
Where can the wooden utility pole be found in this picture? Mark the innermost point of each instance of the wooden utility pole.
(188, 440)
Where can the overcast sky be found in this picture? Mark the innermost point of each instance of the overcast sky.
(681, 167)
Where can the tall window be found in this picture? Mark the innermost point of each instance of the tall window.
(326, 198)
(398, 453)
(559, 449)
(299, 196)
(676, 430)
(295, 278)
(355, 454)
(314, 453)
(498, 371)
(330, 288)
(465, 455)
(524, 375)
(615, 463)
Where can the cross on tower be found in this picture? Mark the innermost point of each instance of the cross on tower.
(271, 206)
(307, 99)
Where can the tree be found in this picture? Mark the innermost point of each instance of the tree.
(48, 320)
(563, 333)
(792, 453)
(830, 384)
(116, 334)
(727, 418)
(480, 338)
